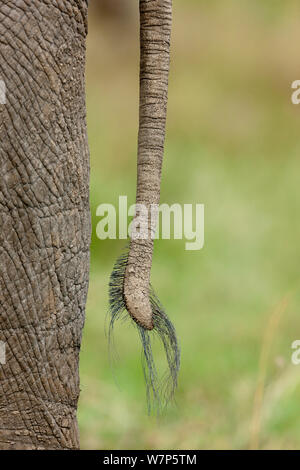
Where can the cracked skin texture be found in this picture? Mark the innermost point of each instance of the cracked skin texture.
(44, 208)
(44, 220)
(155, 33)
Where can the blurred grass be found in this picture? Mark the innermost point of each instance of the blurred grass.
(232, 144)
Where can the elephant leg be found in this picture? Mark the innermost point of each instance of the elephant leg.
(44, 220)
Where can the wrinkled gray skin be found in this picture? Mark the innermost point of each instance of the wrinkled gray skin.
(155, 34)
(44, 208)
(44, 220)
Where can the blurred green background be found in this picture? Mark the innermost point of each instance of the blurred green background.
(233, 143)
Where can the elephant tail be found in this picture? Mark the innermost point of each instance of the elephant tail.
(130, 291)
(160, 390)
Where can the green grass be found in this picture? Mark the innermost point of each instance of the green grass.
(232, 144)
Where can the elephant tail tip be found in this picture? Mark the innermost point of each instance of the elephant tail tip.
(160, 390)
